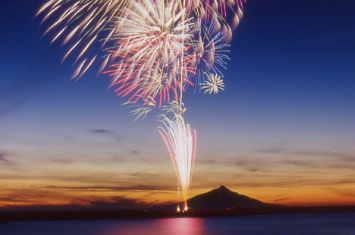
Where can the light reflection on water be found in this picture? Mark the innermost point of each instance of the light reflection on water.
(174, 226)
(191, 226)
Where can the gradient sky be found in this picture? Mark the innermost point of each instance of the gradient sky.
(283, 131)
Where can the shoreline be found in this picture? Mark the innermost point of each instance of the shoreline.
(23, 216)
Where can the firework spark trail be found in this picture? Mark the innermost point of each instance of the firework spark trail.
(180, 140)
(80, 23)
(205, 8)
(152, 44)
(140, 111)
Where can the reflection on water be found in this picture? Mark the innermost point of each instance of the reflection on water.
(297, 224)
(190, 226)
(174, 226)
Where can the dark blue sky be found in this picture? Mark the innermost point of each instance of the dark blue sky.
(289, 89)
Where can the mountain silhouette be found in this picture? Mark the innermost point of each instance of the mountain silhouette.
(221, 198)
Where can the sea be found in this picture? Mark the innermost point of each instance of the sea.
(289, 224)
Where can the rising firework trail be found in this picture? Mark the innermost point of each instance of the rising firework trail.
(180, 140)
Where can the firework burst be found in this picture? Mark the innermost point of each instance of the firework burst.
(211, 48)
(213, 84)
(152, 43)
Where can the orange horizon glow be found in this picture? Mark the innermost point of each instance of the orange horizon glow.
(93, 180)
(312, 198)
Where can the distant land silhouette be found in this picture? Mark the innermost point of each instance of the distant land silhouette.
(221, 198)
(217, 202)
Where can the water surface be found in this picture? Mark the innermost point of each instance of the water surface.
(297, 224)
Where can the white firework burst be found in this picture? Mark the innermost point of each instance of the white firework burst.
(151, 54)
(212, 84)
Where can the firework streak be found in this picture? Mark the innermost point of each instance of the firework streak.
(153, 50)
(180, 140)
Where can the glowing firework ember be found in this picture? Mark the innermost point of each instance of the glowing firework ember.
(180, 140)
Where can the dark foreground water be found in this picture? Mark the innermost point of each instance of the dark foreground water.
(297, 224)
